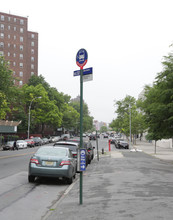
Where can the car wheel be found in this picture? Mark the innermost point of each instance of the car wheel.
(70, 180)
(89, 161)
(31, 178)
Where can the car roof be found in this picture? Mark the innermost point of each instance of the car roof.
(66, 143)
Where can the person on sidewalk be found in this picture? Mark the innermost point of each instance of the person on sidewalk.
(15, 146)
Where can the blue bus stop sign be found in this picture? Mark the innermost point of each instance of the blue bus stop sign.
(81, 58)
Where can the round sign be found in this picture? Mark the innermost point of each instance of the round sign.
(81, 58)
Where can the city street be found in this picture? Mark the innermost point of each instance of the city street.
(121, 185)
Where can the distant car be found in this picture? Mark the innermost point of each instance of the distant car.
(38, 141)
(105, 136)
(92, 137)
(121, 144)
(21, 144)
(50, 161)
(45, 140)
(30, 142)
(90, 150)
(8, 145)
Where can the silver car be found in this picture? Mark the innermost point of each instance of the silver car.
(50, 161)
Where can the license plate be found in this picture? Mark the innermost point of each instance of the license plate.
(49, 163)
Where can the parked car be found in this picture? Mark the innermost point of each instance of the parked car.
(30, 142)
(50, 161)
(55, 138)
(105, 136)
(8, 145)
(38, 141)
(92, 137)
(90, 150)
(21, 144)
(45, 140)
(121, 144)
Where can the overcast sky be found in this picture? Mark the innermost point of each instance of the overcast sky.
(125, 40)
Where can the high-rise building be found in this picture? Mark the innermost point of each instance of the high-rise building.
(19, 46)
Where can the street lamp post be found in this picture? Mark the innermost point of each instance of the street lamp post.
(29, 113)
(130, 125)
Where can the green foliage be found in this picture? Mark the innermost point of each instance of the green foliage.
(126, 111)
(103, 129)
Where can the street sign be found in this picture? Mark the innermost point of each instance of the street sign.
(81, 58)
(82, 159)
(88, 77)
(85, 72)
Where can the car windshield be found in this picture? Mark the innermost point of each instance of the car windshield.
(52, 152)
(20, 141)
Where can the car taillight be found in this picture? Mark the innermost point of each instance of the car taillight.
(32, 160)
(64, 162)
(89, 151)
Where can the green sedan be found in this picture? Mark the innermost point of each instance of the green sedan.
(52, 161)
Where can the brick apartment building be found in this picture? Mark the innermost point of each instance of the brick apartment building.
(19, 46)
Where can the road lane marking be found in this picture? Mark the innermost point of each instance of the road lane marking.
(16, 155)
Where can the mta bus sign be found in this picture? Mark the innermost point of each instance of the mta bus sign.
(81, 58)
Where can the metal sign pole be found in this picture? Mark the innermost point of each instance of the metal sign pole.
(81, 130)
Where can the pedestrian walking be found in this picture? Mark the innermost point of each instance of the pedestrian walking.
(15, 146)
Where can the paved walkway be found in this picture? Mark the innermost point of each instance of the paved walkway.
(106, 190)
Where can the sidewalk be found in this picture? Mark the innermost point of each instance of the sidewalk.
(102, 196)
(162, 153)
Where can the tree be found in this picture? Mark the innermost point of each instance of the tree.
(126, 111)
(87, 119)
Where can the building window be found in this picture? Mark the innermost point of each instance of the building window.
(21, 74)
(1, 53)
(9, 27)
(15, 28)
(21, 21)
(21, 56)
(32, 59)
(2, 18)
(32, 66)
(32, 73)
(32, 51)
(14, 63)
(21, 39)
(14, 37)
(32, 36)
(8, 44)
(14, 19)
(20, 82)
(14, 46)
(21, 30)
(32, 43)
(9, 18)
(8, 54)
(14, 55)
(21, 65)
(2, 35)
(2, 26)
(14, 73)
(1, 44)
(21, 47)
(8, 36)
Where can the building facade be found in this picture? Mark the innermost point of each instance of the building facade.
(19, 47)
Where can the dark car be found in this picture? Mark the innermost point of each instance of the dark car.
(9, 145)
(90, 150)
(121, 144)
(38, 141)
(50, 161)
(92, 137)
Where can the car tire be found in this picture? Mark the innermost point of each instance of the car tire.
(31, 178)
(70, 180)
